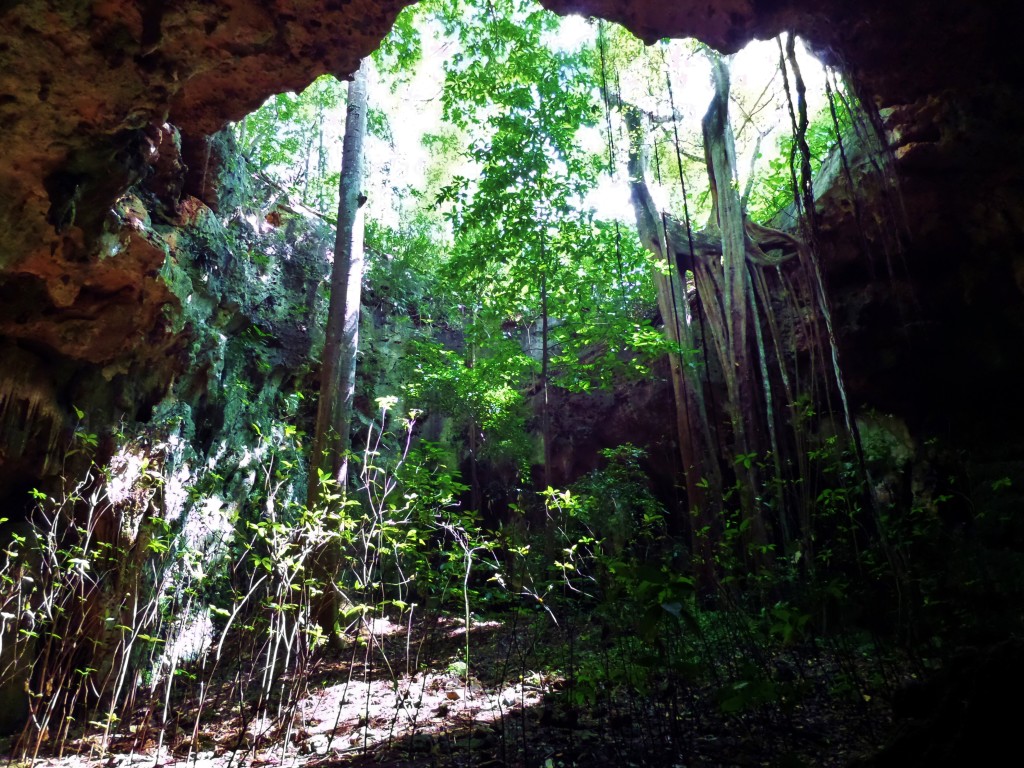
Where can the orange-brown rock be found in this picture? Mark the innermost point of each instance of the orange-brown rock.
(81, 82)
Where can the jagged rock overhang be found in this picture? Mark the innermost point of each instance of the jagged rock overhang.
(897, 51)
(82, 82)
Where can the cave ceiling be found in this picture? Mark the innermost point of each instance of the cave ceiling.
(81, 83)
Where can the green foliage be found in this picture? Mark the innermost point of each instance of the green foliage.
(402, 49)
(379, 125)
(617, 502)
(468, 294)
(485, 393)
(772, 190)
(525, 246)
(401, 277)
(289, 139)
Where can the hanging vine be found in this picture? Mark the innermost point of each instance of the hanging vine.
(745, 277)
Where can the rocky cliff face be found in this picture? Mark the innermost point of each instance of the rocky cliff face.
(101, 198)
(202, 334)
(107, 109)
(87, 84)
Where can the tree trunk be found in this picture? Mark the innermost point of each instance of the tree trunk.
(328, 459)
(544, 375)
(700, 467)
(737, 364)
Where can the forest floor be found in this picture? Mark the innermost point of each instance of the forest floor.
(401, 696)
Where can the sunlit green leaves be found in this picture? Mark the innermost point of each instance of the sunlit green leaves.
(290, 137)
(772, 189)
(402, 49)
(525, 242)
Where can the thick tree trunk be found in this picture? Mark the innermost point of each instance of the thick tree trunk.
(722, 257)
(337, 383)
(737, 363)
(328, 459)
(700, 468)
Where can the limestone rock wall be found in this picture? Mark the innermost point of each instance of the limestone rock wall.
(178, 385)
(85, 84)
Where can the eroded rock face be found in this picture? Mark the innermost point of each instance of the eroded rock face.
(897, 51)
(95, 98)
(86, 93)
(81, 84)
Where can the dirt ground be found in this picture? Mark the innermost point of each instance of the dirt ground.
(402, 696)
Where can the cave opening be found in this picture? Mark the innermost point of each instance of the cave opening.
(649, 435)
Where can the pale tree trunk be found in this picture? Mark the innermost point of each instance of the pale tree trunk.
(727, 259)
(476, 492)
(734, 347)
(337, 382)
(700, 467)
(338, 374)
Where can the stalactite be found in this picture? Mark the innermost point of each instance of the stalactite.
(28, 413)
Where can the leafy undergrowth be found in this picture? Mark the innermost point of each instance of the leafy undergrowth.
(533, 694)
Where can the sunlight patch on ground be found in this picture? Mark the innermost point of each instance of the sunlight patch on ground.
(357, 715)
(339, 720)
(460, 628)
(382, 627)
